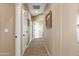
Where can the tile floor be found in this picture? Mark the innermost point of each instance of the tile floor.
(36, 48)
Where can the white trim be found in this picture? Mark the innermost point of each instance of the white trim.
(18, 30)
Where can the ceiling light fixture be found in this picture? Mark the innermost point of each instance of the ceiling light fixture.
(36, 11)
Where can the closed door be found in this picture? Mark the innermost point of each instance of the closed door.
(7, 29)
(25, 39)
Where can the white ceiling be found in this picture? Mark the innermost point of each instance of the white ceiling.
(35, 12)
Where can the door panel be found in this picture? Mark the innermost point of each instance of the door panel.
(7, 29)
(25, 39)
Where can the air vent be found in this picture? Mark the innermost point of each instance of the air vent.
(36, 7)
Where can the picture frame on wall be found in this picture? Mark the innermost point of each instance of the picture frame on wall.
(48, 20)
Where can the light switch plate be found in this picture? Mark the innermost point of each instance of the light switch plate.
(6, 30)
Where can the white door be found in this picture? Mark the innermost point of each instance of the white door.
(24, 30)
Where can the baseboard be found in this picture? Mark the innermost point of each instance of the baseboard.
(4, 54)
(46, 49)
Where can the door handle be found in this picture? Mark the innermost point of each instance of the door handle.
(15, 36)
(23, 34)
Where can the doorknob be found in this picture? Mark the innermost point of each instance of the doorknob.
(15, 36)
(23, 35)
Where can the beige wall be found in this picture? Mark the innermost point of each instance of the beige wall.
(69, 39)
(61, 38)
(52, 35)
(7, 20)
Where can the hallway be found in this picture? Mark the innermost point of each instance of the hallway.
(36, 48)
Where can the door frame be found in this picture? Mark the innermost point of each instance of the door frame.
(18, 25)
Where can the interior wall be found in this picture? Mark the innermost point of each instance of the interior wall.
(69, 38)
(52, 35)
(61, 38)
(7, 29)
